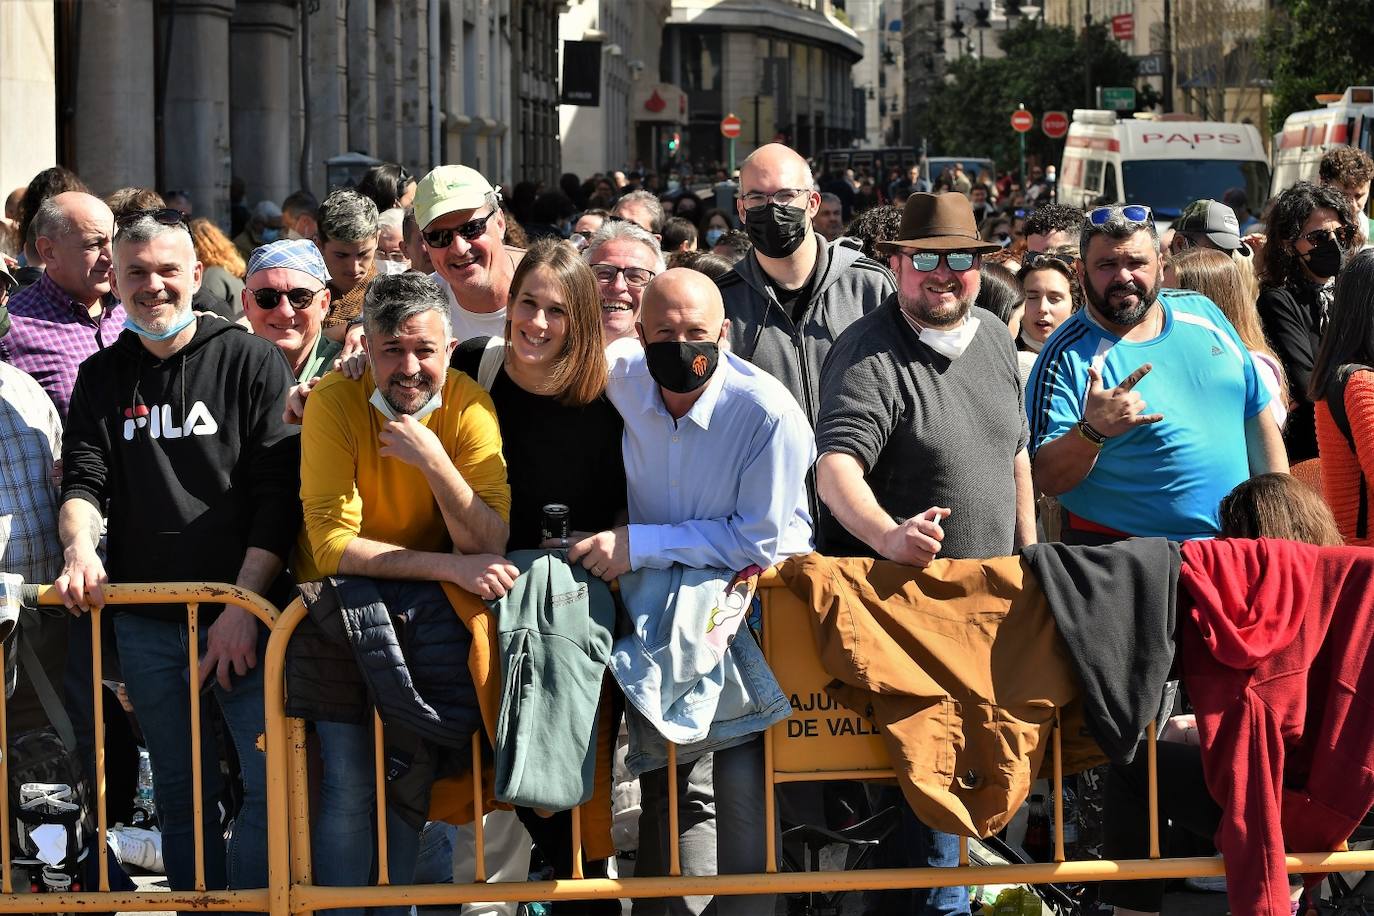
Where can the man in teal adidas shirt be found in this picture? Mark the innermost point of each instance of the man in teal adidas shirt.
(1144, 407)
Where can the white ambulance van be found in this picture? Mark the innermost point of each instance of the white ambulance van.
(1347, 120)
(1162, 162)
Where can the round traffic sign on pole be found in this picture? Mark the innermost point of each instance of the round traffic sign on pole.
(1055, 124)
(1022, 120)
(730, 126)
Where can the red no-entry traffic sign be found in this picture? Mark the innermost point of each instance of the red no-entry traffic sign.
(1055, 124)
(1022, 120)
(730, 126)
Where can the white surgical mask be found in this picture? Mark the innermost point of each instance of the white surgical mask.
(386, 267)
(950, 344)
(379, 401)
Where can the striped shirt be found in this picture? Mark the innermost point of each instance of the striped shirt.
(51, 334)
(31, 437)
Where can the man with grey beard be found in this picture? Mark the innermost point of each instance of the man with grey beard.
(922, 442)
(1145, 408)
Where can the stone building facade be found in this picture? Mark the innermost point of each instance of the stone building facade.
(783, 67)
(190, 95)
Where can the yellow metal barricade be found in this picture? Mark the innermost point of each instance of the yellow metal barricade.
(830, 743)
(192, 595)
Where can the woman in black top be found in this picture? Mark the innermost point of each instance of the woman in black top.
(561, 440)
(1310, 229)
(559, 434)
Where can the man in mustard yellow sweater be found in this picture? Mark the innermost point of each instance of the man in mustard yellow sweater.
(401, 478)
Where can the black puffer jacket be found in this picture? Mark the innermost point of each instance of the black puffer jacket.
(399, 647)
(404, 650)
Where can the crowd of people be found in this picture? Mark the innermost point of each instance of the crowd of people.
(397, 384)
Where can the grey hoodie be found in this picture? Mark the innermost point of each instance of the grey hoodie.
(847, 286)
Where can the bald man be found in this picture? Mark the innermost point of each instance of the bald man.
(716, 455)
(70, 313)
(794, 293)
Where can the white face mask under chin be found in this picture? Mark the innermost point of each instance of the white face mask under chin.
(951, 343)
(379, 401)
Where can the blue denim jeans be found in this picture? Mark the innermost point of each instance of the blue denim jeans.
(153, 654)
(343, 840)
(914, 845)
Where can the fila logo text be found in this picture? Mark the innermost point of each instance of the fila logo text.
(161, 423)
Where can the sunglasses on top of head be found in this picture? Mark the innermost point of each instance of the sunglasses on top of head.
(1131, 213)
(167, 216)
(471, 231)
(926, 261)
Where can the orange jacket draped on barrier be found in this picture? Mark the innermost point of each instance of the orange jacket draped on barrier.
(451, 798)
(961, 667)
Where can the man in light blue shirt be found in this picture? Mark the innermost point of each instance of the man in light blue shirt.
(715, 448)
(1145, 408)
(716, 456)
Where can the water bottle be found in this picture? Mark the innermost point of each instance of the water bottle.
(1070, 818)
(1037, 842)
(145, 809)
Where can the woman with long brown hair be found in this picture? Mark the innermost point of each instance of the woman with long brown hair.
(221, 285)
(559, 434)
(547, 378)
(1217, 276)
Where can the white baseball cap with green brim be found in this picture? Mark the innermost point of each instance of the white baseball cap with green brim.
(447, 189)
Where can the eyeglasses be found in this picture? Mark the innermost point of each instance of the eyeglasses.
(471, 230)
(755, 199)
(926, 261)
(1342, 235)
(167, 216)
(1132, 213)
(635, 277)
(299, 298)
(392, 255)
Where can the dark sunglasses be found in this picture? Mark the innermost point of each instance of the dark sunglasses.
(1342, 235)
(636, 277)
(1132, 213)
(471, 230)
(300, 297)
(167, 216)
(926, 261)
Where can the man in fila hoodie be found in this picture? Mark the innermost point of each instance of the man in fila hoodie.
(175, 434)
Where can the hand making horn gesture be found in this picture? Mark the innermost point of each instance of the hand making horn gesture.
(1113, 411)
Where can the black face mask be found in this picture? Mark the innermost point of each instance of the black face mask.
(776, 231)
(682, 366)
(1326, 259)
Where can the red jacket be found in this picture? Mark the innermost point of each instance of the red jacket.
(1275, 664)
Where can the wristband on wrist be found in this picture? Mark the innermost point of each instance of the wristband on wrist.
(1087, 432)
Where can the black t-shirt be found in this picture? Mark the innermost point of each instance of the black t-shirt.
(554, 454)
(794, 301)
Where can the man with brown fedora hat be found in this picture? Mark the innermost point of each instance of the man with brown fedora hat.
(922, 436)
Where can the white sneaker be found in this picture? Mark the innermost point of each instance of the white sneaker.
(138, 847)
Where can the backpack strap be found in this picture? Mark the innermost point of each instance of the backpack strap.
(493, 355)
(1335, 402)
(43, 688)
